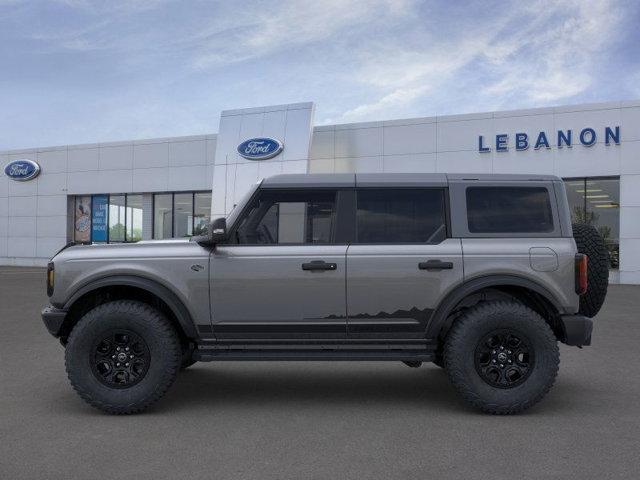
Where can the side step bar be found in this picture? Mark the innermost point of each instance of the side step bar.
(310, 351)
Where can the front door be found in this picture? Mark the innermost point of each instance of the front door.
(401, 263)
(281, 275)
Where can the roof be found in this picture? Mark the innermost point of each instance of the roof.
(344, 180)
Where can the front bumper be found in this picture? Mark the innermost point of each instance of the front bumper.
(576, 330)
(53, 319)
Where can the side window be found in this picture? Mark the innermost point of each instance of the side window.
(509, 210)
(401, 216)
(288, 217)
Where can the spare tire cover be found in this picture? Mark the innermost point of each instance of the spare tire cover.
(590, 242)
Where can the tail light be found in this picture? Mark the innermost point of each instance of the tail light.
(581, 273)
(50, 278)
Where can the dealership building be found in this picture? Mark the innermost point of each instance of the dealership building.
(170, 187)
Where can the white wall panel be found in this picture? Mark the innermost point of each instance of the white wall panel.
(322, 144)
(359, 164)
(463, 135)
(46, 247)
(117, 157)
(51, 205)
(188, 178)
(22, 227)
(188, 153)
(21, 246)
(151, 155)
(420, 138)
(464, 162)
(52, 161)
(52, 226)
(22, 207)
(630, 156)
(630, 124)
(52, 183)
(105, 181)
(83, 159)
(150, 180)
(358, 142)
(415, 163)
(22, 189)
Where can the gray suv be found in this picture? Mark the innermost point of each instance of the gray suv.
(479, 274)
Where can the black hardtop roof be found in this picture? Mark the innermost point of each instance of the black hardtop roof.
(320, 180)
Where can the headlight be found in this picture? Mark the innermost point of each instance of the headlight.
(50, 278)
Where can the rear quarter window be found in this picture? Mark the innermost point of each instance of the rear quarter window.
(509, 210)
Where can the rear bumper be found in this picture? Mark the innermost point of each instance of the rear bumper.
(53, 319)
(576, 330)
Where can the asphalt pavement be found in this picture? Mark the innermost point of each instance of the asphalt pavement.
(316, 420)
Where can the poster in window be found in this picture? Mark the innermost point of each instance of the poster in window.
(99, 208)
(82, 221)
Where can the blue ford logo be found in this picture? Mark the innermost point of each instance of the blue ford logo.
(22, 170)
(260, 148)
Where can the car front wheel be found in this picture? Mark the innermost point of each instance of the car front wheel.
(122, 356)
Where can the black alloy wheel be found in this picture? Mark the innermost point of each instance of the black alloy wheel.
(120, 359)
(504, 358)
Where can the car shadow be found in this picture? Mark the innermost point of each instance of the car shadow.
(257, 384)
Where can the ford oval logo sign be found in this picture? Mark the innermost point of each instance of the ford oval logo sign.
(22, 170)
(260, 148)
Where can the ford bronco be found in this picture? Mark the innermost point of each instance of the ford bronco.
(480, 274)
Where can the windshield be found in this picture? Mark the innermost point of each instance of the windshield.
(233, 215)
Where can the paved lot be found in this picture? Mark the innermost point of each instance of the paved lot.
(316, 420)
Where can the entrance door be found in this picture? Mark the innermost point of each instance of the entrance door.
(401, 262)
(281, 275)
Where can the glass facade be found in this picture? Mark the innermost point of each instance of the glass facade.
(119, 217)
(180, 214)
(596, 202)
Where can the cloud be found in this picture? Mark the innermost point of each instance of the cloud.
(258, 32)
(542, 52)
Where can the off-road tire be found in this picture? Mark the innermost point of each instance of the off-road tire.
(187, 357)
(460, 356)
(590, 242)
(164, 355)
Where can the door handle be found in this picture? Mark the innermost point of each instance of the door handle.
(319, 265)
(435, 265)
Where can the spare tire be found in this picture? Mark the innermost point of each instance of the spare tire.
(590, 242)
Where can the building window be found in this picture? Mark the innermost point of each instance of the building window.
(162, 215)
(108, 218)
(182, 214)
(117, 218)
(82, 219)
(201, 212)
(134, 218)
(596, 201)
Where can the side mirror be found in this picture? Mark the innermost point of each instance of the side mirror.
(216, 233)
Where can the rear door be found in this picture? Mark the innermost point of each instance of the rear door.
(282, 275)
(401, 263)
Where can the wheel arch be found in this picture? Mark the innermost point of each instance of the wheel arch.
(523, 289)
(114, 287)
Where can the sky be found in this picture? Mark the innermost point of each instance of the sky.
(79, 71)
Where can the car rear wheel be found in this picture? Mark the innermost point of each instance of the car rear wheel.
(122, 356)
(502, 357)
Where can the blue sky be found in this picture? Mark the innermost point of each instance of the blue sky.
(76, 71)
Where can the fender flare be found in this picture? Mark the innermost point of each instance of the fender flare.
(446, 306)
(167, 296)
